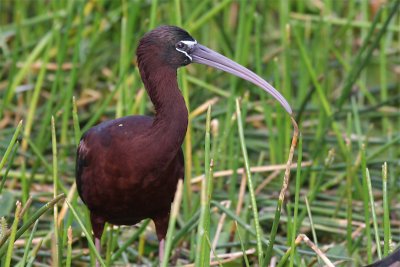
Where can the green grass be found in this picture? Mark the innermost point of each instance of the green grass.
(337, 63)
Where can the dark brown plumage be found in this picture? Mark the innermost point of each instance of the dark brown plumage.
(128, 168)
(132, 148)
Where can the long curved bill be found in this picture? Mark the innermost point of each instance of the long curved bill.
(203, 55)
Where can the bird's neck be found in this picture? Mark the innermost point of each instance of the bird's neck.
(171, 113)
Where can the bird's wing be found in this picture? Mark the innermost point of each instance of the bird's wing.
(81, 163)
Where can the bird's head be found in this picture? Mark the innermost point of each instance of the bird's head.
(168, 45)
(173, 47)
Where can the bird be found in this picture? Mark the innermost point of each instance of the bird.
(392, 260)
(127, 169)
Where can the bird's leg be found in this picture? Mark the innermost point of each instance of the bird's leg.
(161, 250)
(98, 227)
(161, 223)
(97, 242)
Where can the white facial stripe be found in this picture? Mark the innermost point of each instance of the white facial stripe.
(186, 54)
(190, 44)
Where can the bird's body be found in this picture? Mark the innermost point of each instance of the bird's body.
(128, 168)
(129, 159)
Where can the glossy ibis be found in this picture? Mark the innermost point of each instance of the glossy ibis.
(128, 169)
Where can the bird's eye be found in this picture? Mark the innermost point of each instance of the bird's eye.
(181, 45)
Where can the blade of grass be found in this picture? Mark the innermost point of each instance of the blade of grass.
(366, 205)
(13, 235)
(39, 154)
(203, 250)
(69, 248)
(189, 226)
(77, 128)
(109, 244)
(311, 224)
(128, 242)
(171, 224)
(34, 252)
(34, 99)
(187, 204)
(13, 153)
(213, 251)
(285, 185)
(153, 14)
(208, 86)
(28, 244)
(10, 145)
(5, 234)
(387, 238)
(55, 190)
(193, 26)
(296, 200)
(250, 187)
(283, 122)
(24, 70)
(349, 188)
(383, 148)
(373, 213)
(87, 234)
(80, 20)
(177, 14)
(246, 260)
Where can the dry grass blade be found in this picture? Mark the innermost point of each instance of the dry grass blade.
(282, 193)
(303, 238)
(290, 159)
(64, 208)
(239, 205)
(266, 181)
(256, 169)
(219, 228)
